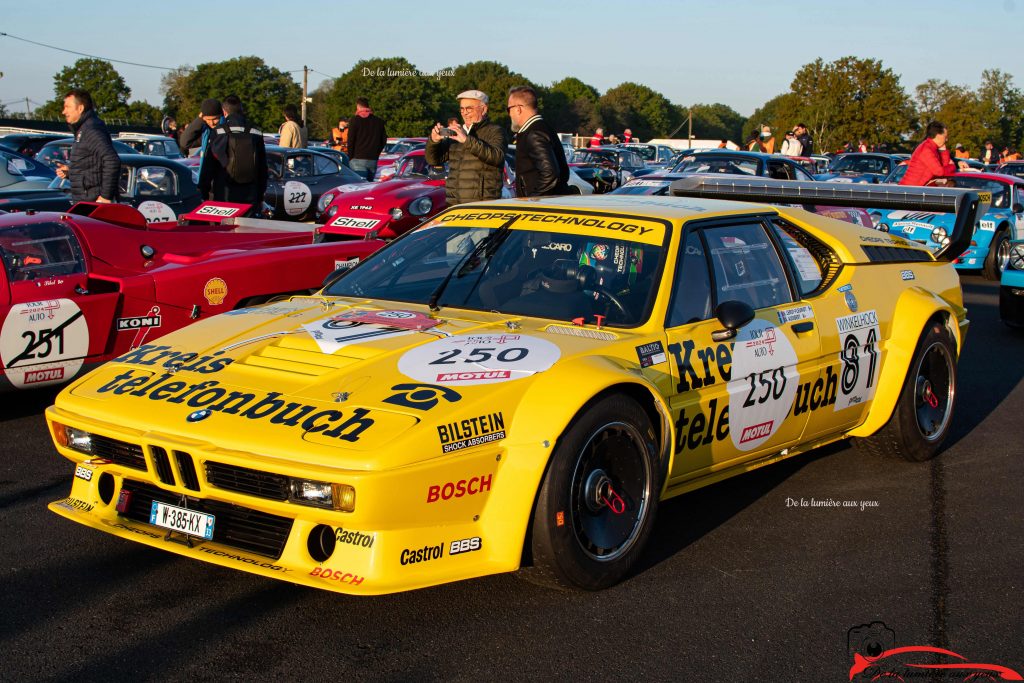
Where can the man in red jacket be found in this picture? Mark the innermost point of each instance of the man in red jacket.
(931, 158)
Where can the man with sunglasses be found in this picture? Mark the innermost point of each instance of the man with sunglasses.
(541, 168)
(474, 152)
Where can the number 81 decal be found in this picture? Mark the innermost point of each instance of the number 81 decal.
(858, 336)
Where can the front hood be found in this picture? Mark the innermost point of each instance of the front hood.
(317, 382)
(382, 196)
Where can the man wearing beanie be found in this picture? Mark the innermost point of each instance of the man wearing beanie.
(474, 151)
(197, 132)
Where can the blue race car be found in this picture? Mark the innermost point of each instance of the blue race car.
(860, 167)
(1003, 223)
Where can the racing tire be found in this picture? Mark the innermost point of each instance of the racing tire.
(998, 256)
(924, 409)
(597, 503)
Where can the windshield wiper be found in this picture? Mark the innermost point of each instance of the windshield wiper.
(471, 260)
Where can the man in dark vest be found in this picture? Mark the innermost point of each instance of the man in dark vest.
(541, 168)
(474, 152)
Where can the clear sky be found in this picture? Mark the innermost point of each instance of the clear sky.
(739, 52)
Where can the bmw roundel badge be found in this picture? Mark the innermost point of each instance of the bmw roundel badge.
(199, 415)
(851, 302)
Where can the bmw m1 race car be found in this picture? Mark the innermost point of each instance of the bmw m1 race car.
(81, 287)
(519, 383)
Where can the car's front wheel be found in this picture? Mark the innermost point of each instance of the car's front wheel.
(598, 500)
(924, 410)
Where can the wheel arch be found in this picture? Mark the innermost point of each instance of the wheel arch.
(914, 312)
(542, 422)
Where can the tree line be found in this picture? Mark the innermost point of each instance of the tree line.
(846, 100)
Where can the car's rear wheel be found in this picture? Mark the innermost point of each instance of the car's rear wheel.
(924, 410)
(598, 500)
(998, 256)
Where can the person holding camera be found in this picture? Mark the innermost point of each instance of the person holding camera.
(474, 151)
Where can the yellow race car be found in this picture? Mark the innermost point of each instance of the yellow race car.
(517, 384)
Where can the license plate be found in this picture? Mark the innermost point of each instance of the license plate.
(183, 520)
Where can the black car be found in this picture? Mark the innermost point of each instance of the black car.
(297, 178)
(606, 167)
(59, 151)
(160, 188)
(29, 144)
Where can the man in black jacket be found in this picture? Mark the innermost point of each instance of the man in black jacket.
(366, 139)
(94, 165)
(195, 134)
(804, 138)
(234, 168)
(541, 168)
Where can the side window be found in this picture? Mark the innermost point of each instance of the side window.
(802, 262)
(325, 166)
(299, 166)
(779, 170)
(801, 173)
(40, 250)
(746, 266)
(155, 181)
(691, 288)
(122, 181)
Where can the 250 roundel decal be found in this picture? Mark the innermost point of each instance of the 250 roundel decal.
(763, 384)
(463, 360)
(43, 342)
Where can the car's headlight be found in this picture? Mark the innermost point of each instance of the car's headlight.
(397, 213)
(326, 199)
(75, 439)
(884, 227)
(875, 219)
(323, 494)
(421, 206)
(333, 209)
(939, 234)
(1017, 257)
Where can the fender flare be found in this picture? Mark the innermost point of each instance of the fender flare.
(915, 308)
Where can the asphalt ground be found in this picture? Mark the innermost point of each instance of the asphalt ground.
(737, 584)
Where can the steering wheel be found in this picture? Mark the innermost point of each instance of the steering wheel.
(564, 276)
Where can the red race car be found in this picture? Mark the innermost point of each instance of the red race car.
(81, 287)
(392, 207)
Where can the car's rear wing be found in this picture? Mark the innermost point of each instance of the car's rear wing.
(968, 205)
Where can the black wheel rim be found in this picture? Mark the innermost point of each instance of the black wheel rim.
(935, 388)
(611, 491)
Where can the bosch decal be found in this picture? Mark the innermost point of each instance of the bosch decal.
(337, 575)
(473, 431)
(460, 488)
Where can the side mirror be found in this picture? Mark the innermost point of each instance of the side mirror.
(733, 315)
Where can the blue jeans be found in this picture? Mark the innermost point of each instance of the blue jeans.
(364, 167)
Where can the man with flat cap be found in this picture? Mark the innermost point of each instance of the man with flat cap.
(474, 151)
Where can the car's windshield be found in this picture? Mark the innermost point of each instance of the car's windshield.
(535, 273)
(857, 164)
(714, 163)
(15, 165)
(586, 156)
(1000, 191)
(648, 152)
(405, 147)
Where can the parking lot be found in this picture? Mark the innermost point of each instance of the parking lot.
(757, 578)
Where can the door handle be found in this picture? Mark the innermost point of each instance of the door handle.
(805, 326)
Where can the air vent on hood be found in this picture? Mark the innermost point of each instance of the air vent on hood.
(577, 331)
(296, 354)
